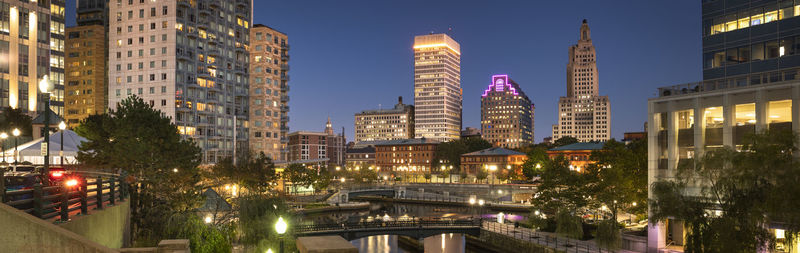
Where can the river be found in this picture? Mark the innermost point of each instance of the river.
(444, 243)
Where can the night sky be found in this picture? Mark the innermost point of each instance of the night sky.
(347, 56)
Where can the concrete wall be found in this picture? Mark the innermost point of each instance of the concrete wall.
(107, 227)
(22, 232)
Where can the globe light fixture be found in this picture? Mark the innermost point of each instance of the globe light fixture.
(281, 226)
(15, 132)
(44, 85)
(62, 126)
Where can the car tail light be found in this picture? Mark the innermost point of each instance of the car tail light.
(71, 182)
(57, 174)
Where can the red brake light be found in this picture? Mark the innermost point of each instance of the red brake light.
(71, 182)
(57, 174)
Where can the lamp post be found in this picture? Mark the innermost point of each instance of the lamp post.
(44, 87)
(16, 133)
(281, 227)
(62, 126)
(3, 137)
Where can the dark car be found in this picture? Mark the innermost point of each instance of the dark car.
(18, 181)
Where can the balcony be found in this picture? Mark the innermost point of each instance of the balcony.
(284, 57)
(184, 3)
(284, 99)
(285, 77)
(212, 52)
(734, 82)
(285, 46)
(285, 118)
(242, 3)
(285, 66)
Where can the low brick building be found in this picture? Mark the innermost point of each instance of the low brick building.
(578, 154)
(493, 160)
(407, 155)
(362, 157)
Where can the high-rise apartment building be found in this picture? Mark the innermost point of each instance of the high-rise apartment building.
(86, 89)
(437, 87)
(92, 12)
(583, 113)
(385, 124)
(32, 47)
(506, 114)
(188, 59)
(269, 92)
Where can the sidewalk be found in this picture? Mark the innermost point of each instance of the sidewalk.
(546, 239)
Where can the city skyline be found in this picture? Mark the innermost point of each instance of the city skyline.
(384, 55)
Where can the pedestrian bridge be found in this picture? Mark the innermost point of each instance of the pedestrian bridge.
(416, 229)
(385, 192)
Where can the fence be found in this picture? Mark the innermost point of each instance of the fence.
(91, 190)
(300, 229)
(566, 245)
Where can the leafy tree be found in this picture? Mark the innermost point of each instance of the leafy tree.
(621, 173)
(300, 176)
(749, 190)
(449, 153)
(141, 141)
(608, 235)
(536, 157)
(202, 237)
(257, 217)
(569, 225)
(481, 175)
(566, 140)
(561, 188)
(427, 176)
(15, 118)
(445, 173)
(322, 180)
(254, 172)
(462, 176)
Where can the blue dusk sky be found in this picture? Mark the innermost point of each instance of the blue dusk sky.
(348, 56)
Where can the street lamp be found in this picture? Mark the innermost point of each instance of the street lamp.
(281, 227)
(3, 137)
(16, 133)
(62, 126)
(44, 87)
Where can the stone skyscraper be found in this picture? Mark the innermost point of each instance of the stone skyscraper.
(269, 92)
(506, 114)
(583, 113)
(437, 87)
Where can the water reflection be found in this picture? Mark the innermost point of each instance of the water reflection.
(401, 211)
(443, 243)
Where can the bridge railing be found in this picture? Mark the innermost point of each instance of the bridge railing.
(386, 224)
(74, 195)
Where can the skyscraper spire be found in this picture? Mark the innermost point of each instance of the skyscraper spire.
(329, 127)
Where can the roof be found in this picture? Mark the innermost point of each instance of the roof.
(214, 202)
(406, 142)
(493, 151)
(397, 109)
(580, 146)
(54, 118)
(72, 142)
(368, 149)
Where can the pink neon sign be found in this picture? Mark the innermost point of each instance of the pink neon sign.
(499, 83)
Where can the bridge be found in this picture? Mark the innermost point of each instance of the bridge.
(412, 228)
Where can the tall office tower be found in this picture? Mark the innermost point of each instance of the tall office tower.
(506, 114)
(188, 59)
(385, 124)
(92, 12)
(29, 52)
(437, 87)
(87, 89)
(583, 114)
(269, 98)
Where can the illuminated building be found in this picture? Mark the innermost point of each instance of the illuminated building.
(750, 84)
(86, 89)
(583, 113)
(361, 157)
(385, 124)
(577, 154)
(32, 47)
(749, 36)
(414, 156)
(321, 147)
(189, 60)
(269, 92)
(506, 114)
(494, 160)
(437, 87)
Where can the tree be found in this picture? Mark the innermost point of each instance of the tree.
(621, 173)
(202, 237)
(427, 176)
(462, 176)
(257, 217)
(11, 118)
(749, 189)
(536, 157)
(569, 225)
(449, 153)
(140, 141)
(481, 175)
(562, 188)
(608, 235)
(566, 140)
(299, 175)
(254, 172)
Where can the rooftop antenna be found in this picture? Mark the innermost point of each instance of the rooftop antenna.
(379, 107)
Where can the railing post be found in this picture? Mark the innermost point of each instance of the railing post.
(37, 200)
(112, 192)
(99, 189)
(83, 195)
(3, 186)
(64, 205)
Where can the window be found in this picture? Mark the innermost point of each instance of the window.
(779, 111)
(757, 53)
(772, 49)
(745, 114)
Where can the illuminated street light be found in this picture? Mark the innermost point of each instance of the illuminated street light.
(634, 204)
(342, 180)
(44, 87)
(281, 227)
(481, 202)
(208, 219)
(3, 137)
(471, 201)
(62, 126)
(338, 168)
(16, 133)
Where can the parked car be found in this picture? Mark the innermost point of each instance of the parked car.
(17, 181)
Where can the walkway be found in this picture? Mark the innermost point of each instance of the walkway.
(546, 239)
